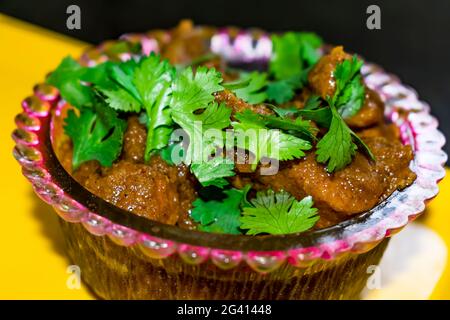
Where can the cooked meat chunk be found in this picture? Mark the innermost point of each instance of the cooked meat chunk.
(187, 43)
(356, 188)
(371, 113)
(321, 78)
(322, 82)
(154, 190)
(239, 105)
(134, 141)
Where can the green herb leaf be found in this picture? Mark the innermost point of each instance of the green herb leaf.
(116, 96)
(252, 135)
(153, 79)
(320, 116)
(286, 61)
(312, 103)
(213, 172)
(349, 95)
(278, 213)
(120, 100)
(254, 92)
(66, 78)
(292, 126)
(293, 53)
(190, 96)
(123, 74)
(280, 91)
(238, 84)
(190, 93)
(192, 104)
(97, 134)
(285, 112)
(310, 43)
(221, 216)
(336, 148)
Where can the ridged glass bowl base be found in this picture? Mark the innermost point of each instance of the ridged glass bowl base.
(119, 272)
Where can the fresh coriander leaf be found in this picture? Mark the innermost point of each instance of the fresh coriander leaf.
(190, 93)
(213, 172)
(254, 92)
(312, 103)
(297, 125)
(336, 147)
(221, 216)
(215, 116)
(123, 74)
(349, 95)
(191, 105)
(285, 112)
(97, 134)
(66, 78)
(321, 116)
(172, 154)
(293, 53)
(252, 135)
(286, 61)
(280, 91)
(278, 213)
(98, 75)
(116, 96)
(310, 43)
(120, 100)
(153, 79)
(238, 84)
(361, 144)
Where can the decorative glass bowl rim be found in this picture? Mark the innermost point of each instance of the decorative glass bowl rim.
(76, 204)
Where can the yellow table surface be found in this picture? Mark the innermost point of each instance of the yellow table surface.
(33, 264)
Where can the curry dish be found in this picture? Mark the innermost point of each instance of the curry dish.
(344, 158)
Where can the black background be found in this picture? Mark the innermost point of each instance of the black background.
(414, 41)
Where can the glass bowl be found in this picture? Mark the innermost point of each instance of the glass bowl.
(124, 256)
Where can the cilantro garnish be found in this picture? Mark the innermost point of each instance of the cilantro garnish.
(280, 91)
(97, 134)
(349, 95)
(221, 215)
(254, 92)
(153, 80)
(312, 103)
(192, 104)
(67, 78)
(296, 126)
(278, 213)
(336, 148)
(272, 144)
(192, 92)
(213, 172)
(293, 53)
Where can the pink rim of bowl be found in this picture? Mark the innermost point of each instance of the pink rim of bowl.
(418, 128)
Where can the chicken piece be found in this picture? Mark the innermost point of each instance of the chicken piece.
(134, 141)
(187, 43)
(154, 190)
(322, 82)
(239, 105)
(354, 189)
(371, 113)
(321, 77)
